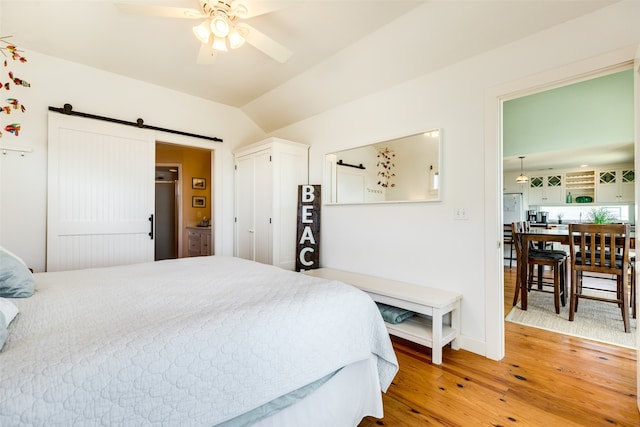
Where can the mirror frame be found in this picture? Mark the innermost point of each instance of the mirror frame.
(331, 162)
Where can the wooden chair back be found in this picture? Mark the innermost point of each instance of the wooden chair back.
(507, 234)
(600, 248)
(516, 229)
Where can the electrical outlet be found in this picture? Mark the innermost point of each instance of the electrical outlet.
(461, 214)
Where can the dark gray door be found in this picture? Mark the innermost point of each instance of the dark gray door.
(166, 218)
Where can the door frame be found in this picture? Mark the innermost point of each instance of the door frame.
(222, 210)
(494, 98)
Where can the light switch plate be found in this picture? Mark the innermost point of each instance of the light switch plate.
(461, 214)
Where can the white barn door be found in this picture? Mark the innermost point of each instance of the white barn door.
(100, 193)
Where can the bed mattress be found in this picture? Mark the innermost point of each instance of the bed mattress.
(196, 341)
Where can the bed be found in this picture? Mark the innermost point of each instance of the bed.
(203, 341)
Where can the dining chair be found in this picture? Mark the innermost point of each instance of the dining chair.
(507, 239)
(600, 248)
(557, 260)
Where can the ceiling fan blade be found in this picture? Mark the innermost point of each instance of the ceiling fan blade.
(207, 54)
(265, 44)
(160, 11)
(261, 7)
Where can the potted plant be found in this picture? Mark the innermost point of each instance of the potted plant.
(560, 216)
(600, 215)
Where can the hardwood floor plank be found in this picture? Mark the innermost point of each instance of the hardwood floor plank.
(545, 379)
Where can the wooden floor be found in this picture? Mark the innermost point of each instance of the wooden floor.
(545, 379)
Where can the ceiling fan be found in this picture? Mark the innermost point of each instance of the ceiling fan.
(222, 27)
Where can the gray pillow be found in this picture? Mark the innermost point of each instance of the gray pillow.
(16, 281)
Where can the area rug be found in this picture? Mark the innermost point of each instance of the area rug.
(594, 320)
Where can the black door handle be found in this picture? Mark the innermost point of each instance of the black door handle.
(151, 221)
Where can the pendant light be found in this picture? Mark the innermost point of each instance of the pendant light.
(522, 178)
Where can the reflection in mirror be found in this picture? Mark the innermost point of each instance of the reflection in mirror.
(405, 169)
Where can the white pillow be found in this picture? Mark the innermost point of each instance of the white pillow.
(8, 309)
(8, 312)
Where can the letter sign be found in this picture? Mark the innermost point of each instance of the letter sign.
(308, 237)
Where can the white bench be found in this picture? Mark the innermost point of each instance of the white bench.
(427, 327)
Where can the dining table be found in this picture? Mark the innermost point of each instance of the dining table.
(541, 236)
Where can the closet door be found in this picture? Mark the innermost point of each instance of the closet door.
(244, 221)
(263, 207)
(254, 202)
(100, 193)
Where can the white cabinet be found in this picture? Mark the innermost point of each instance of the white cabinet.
(266, 187)
(615, 186)
(545, 190)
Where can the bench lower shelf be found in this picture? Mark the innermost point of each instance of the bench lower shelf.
(418, 329)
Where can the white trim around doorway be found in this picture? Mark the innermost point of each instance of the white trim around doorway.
(494, 98)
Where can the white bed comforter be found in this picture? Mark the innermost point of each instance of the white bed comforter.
(194, 341)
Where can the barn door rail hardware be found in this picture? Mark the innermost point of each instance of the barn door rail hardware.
(22, 151)
(68, 110)
(360, 166)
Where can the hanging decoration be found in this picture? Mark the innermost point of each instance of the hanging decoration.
(11, 104)
(385, 165)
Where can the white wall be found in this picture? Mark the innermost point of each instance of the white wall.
(54, 82)
(423, 243)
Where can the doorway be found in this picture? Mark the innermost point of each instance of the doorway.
(195, 188)
(167, 211)
(580, 156)
(494, 98)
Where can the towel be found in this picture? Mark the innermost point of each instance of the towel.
(394, 315)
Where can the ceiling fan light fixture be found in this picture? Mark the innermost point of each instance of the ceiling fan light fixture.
(220, 44)
(220, 25)
(235, 39)
(202, 32)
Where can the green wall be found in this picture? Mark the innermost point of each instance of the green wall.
(591, 113)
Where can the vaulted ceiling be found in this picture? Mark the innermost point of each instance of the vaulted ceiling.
(342, 50)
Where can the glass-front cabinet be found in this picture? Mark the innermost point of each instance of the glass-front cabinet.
(615, 186)
(612, 185)
(545, 189)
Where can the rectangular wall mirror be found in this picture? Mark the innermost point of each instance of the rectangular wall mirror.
(404, 169)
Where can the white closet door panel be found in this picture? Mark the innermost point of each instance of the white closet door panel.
(289, 175)
(263, 207)
(101, 193)
(245, 231)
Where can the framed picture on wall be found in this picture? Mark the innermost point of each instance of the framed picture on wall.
(199, 183)
(198, 202)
